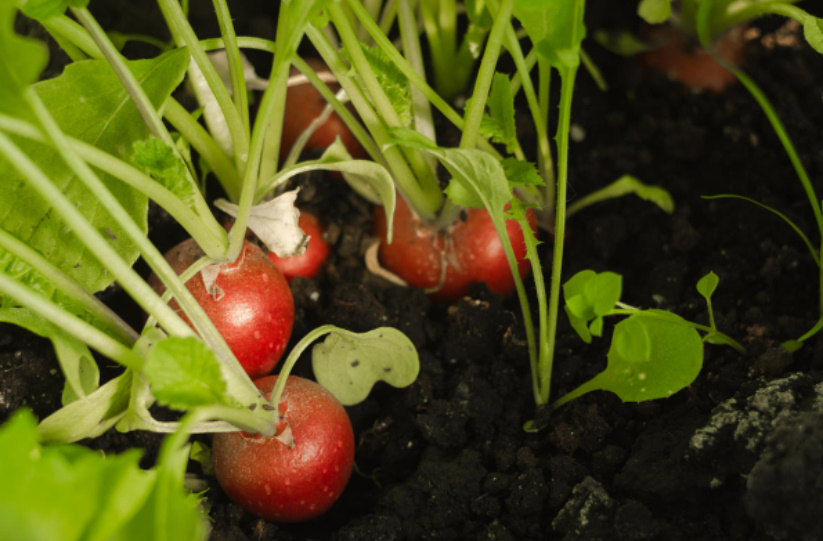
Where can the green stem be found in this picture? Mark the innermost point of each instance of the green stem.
(423, 190)
(392, 155)
(682, 322)
(102, 313)
(92, 238)
(197, 227)
(485, 74)
(238, 79)
(416, 80)
(93, 41)
(132, 86)
(293, 357)
(65, 320)
(704, 33)
(423, 121)
(564, 122)
(360, 133)
(206, 146)
(184, 36)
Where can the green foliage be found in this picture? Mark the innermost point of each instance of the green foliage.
(42, 10)
(521, 173)
(478, 179)
(89, 103)
(69, 492)
(627, 185)
(392, 81)
(590, 296)
(159, 160)
(707, 285)
(555, 27)
(22, 62)
(349, 364)
(184, 373)
(655, 11)
(498, 123)
(813, 32)
(654, 354)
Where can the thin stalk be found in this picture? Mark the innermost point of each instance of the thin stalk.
(427, 187)
(238, 79)
(394, 159)
(539, 109)
(355, 126)
(205, 145)
(293, 357)
(423, 121)
(749, 11)
(485, 74)
(93, 239)
(73, 33)
(93, 41)
(564, 124)
(192, 222)
(117, 62)
(100, 247)
(184, 36)
(65, 320)
(782, 134)
(683, 323)
(545, 162)
(113, 323)
(419, 82)
(703, 31)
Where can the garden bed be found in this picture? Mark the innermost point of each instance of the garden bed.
(736, 455)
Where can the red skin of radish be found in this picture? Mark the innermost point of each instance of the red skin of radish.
(255, 315)
(307, 264)
(695, 68)
(303, 104)
(471, 247)
(279, 484)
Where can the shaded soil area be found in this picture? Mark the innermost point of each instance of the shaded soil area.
(736, 456)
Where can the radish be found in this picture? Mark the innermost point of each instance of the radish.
(470, 248)
(304, 104)
(249, 302)
(307, 264)
(692, 65)
(289, 483)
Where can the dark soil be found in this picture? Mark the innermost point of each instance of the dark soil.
(738, 455)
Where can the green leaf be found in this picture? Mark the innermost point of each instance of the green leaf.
(21, 63)
(579, 325)
(392, 81)
(555, 27)
(185, 373)
(655, 11)
(653, 355)
(159, 160)
(478, 179)
(369, 179)
(348, 364)
(590, 295)
(813, 32)
(621, 42)
(76, 361)
(521, 173)
(43, 10)
(90, 416)
(498, 123)
(89, 103)
(707, 285)
(169, 513)
(626, 185)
